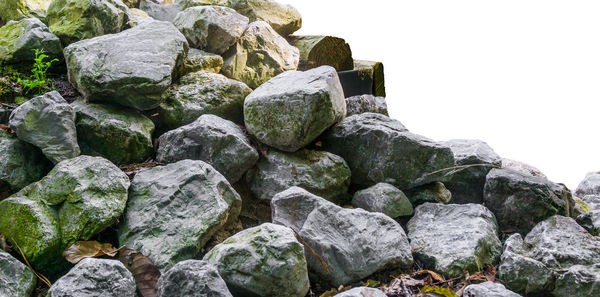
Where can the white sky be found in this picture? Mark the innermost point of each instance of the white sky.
(522, 75)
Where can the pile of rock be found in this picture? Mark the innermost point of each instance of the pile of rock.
(267, 180)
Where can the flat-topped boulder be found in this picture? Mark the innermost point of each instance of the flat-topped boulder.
(488, 289)
(19, 39)
(283, 18)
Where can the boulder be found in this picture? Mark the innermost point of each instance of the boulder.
(318, 172)
(20, 9)
(192, 278)
(521, 273)
(589, 186)
(218, 142)
(454, 238)
(361, 292)
(383, 198)
(95, 277)
(283, 18)
(74, 20)
(211, 28)
(593, 201)
(351, 243)
(259, 55)
(132, 68)
(200, 60)
(162, 11)
(136, 16)
(578, 280)
(365, 103)
(488, 289)
(522, 167)
(520, 200)
(266, 260)
(16, 279)
(292, 109)
(590, 221)
(379, 149)
(201, 93)
(474, 159)
(121, 135)
(435, 192)
(47, 122)
(18, 39)
(174, 210)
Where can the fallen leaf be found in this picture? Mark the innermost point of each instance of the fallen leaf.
(294, 173)
(144, 272)
(88, 249)
(3, 244)
(319, 143)
(422, 274)
(439, 291)
(371, 283)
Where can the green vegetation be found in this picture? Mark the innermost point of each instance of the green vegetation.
(16, 87)
(38, 81)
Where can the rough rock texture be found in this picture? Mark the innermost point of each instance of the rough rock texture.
(16, 280)
(291, 110)
(592, 201)
(519, 201)
(200, 60)
(262, 261)
(211, 28)
(131, 68)
(435, 192)
(136, 16)
(74, 20)
(201, 93)
(259, 55)
(174, 210)
(589, 186)
(95, 277)
(383, 198)
(590, 221)
(119, 134)
(578, 280)
(488, 289)
(353, 243)
(365, 103)
(522, 167)
(379, 149)
(20, 9)
(192, 278)
(362, 292)
(321, 173)
(18, 39)
(220, 143)
(162, 11)
(47, 122)
(454, 238)
(478, 158)
(284, 19)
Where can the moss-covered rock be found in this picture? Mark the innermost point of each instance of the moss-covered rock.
(200, 60)
(20, 9)
(18, 39)
(383, 198)
(16, 279)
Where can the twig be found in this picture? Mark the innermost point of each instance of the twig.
(39, 275)
(325, 266)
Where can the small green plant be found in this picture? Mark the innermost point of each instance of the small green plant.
(37, 81)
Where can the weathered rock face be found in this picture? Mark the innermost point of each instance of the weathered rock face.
(18, 39)
(220, 143)
(74, 20)
(589, 186)
(379, 149)
(454, 238)
(383, 198)
(119, 134)
(262, 261)
(361, 292)
(16, 280)
(590, 221)
(488, 289)
(318, 172)
(578, 280)
(200, 60)
(284, 19)
(592, 201)
(211, 28)
(259, 55)
(352, 243)
(291, 110)
(95, 277)
(478, 158)
(132, 68)
(519, 201)
(160, 11)
(192, 278)
(522, 167)
(201, 93)
(174, 210)
(20, 9)
(435, 192)
(365, 103)
(47, 122)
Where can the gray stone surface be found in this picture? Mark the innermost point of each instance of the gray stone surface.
(192, 278)
(200, 60)
(383, 198)
(95, 277)
(321, 173)
(352, 243)
(16, 280)
(379, 149)
(365, 103)
(291, 110)
(522, 167)
(131, 68)
(362, 292)
(18, 39)
(454, 238)
(592, 201)
(266, 260)
(173, 210)
(435, 192)
(162, 12)
(590, 221)
(284, 18)
(488, 289)
(578, 280)
(47, 122)
(590, 185)
(220, 143)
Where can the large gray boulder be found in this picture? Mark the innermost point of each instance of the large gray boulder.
(192, 278)
(365, 103)
(454, 238)
(578, 280)
(218, 142)
(488, 289)
(383, 198)
(211, 28)
(590, 185)
(266, 260)
(291, 110)
(47, 122)
(16, 279)
(167, 10)
(590, 221)
(519, 201)
(173, 210)
(132, 68)
(20, 38)
(361, 292)
(321, 173)
(593, 201)
(283, 18)
(95, 277)
(351, 243)
(119, 134)
(259, 55)
(522, 167)
(380, 149)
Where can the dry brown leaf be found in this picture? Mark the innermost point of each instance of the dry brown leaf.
(319, 143)
(163, 2)
(144, 272)
(3, 244)
(490, 273)
(294, 174)
(88, 249)
(434, 277)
